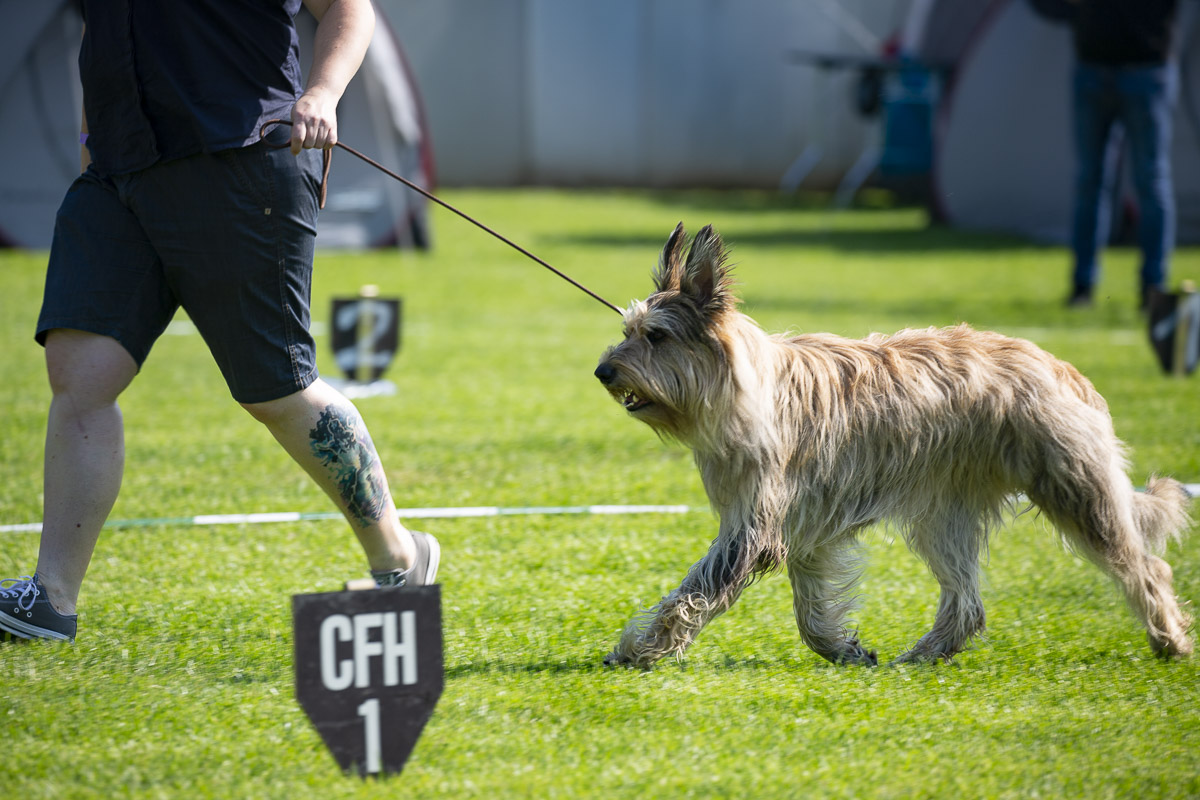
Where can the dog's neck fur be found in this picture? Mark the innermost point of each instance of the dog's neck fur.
(735, 440)
(745, 422)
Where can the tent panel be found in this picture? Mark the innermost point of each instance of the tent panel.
(1004, 158)
(40, 108)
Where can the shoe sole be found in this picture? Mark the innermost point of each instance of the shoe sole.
(435, 557)
(24, 630)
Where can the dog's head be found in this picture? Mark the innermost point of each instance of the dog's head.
(673, 363)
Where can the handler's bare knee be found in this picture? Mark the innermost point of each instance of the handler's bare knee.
(91, 368)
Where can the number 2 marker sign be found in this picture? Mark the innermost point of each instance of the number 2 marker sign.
(365, 334)
(369, 671)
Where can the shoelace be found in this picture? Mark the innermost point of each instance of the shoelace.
(394, 577)
(24, 590)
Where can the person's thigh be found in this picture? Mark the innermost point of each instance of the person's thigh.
(1147, 104)
(1095, 109)
(104, 276)
(236, 232)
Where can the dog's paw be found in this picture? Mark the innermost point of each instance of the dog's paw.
(615, 659)
(859, 656)
(922, 656)
(854, 653)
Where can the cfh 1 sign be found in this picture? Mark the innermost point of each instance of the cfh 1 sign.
(369, 671)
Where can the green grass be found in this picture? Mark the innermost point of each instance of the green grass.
(180, 684)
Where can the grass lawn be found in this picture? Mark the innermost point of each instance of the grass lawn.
(180, 683)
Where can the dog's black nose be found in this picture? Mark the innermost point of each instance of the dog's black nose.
(606, 373)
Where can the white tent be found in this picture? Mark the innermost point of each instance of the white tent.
(1004, 159)
(40, 101)
(380, 115)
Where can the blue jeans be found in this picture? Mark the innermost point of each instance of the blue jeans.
(1138, 101)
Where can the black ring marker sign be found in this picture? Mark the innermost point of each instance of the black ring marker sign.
(366, 334)
(369, 671)
(1175, 329)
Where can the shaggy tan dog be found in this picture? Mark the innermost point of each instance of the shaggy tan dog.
(804, 441)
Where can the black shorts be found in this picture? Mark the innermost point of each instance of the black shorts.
(229, 236)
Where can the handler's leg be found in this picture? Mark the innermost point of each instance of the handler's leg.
(248, 291)
(85, 455)
(325, 435)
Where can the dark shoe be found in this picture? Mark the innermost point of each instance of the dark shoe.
(1149, 293)
(1081, 297)
(424, 570)
(25, 612)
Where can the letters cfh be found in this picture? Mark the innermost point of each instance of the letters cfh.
(397, 653)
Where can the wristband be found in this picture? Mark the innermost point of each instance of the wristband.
(83, 138)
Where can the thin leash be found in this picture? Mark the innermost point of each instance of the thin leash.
(327, 159)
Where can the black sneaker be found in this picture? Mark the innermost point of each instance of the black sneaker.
(25, 612)
(1080, 297)
(1150, 297)
(424, 569)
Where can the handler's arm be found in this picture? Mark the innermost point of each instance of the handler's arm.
(344, 29)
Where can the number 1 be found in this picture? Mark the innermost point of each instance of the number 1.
(369, 711)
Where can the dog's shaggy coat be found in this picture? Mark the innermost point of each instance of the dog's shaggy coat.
(803, 441)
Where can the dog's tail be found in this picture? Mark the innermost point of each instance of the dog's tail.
(1161, 512)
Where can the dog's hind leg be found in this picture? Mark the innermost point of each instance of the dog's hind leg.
(820, 580)
(949, 541)
(1102, 518)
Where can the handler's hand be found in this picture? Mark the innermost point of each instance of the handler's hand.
(314, 122)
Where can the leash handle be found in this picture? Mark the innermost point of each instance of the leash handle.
(328, 158)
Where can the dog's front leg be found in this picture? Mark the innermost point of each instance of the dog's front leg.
(712, 585)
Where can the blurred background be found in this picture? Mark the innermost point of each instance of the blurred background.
(960, 105)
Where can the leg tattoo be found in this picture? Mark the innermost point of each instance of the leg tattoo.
(342, 444)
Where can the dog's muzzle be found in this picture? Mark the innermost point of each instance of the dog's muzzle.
(606, 372)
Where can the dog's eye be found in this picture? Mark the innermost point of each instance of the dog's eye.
(654, 337)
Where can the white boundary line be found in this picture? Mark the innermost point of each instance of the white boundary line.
(403, 513)
(459, 512)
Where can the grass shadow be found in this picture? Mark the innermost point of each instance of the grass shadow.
(861, 238)
(932, 309)
(499, 666)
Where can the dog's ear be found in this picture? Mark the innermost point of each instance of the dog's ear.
(670, 263)
(706, 277)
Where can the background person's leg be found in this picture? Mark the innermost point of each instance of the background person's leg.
(1096, 149)
(1148, 96)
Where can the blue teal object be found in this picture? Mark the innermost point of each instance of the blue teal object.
(910, 98)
